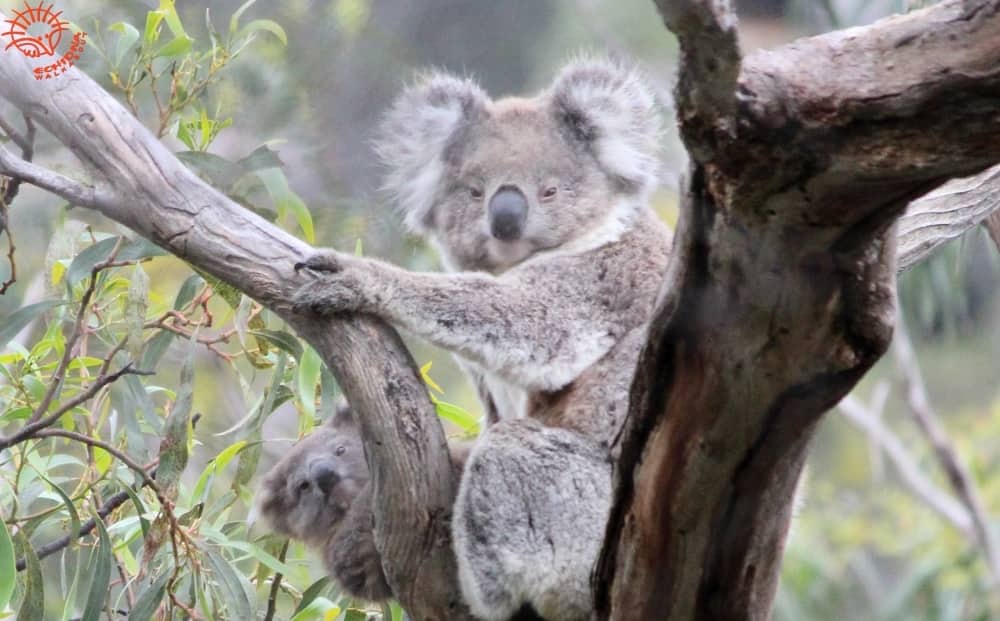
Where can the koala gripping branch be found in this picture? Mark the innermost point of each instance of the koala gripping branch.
(780, 294)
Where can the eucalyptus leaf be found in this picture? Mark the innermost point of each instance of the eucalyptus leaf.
(100, 572)
(16, 321)
(32, 606)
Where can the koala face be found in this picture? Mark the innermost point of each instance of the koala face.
(308, 492)
(491, 183)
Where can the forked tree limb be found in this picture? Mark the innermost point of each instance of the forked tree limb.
(781, 291)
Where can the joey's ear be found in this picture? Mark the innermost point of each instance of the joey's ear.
(414, 135)
(608, 108)
(342, 415)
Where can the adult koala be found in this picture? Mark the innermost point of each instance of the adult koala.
(540, 211)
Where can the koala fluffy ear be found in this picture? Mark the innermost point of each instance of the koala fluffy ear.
(342, 415)
(414, 135)
(607, 107)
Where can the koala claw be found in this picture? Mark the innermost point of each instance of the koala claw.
(320, 262)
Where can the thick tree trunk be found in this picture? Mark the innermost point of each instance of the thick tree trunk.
(778, 299)
(781, 292)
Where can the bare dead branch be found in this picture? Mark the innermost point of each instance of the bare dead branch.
(73, 191)
(865, 419)
(955, 470)
(947, 213)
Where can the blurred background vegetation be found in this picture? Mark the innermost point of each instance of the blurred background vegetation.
(286, 124)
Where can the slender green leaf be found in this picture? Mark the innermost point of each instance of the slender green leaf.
(149, 599)
(89, 257)
(33, 603)
(16, 321)
(101, 575)
(177, 430)
(266, 25)
(239, 596)
(281, 340)
(74, 517)
(152, 32)
(285, 200)
(188, 289)
(234, 21)
(135, 311)
(7, 569)
(319, 609)
(307, 379)
(312, 592)
(128, 38)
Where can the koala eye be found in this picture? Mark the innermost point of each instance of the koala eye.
(340, 450)
(476, 193)
(550, 192)
(303, 486)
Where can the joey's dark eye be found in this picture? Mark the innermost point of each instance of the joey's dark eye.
(340, 450)
(476, 193)
(303, 486)
(549, 192)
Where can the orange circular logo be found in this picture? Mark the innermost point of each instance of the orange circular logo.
(36, 31)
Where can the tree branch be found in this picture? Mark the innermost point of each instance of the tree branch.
(906, 466)
(152, 193)
(709, 67)
(955, 470)
(946, 213)
(73, 191)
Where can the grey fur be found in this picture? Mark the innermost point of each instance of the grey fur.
(549, 325)
(336, 518)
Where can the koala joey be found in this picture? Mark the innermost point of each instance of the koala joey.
(539, 209)
(320, 493)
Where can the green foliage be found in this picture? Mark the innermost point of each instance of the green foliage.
(88, 414)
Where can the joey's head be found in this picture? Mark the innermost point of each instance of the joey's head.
(308, 492)
(490, 183)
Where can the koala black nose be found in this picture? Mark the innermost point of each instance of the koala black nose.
(508, 211)
(324, 476)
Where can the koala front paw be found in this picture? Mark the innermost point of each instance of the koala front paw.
(324, 261)
(339, 285)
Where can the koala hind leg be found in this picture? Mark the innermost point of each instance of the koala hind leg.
(529, 521)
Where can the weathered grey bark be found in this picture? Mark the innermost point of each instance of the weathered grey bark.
(780, 294)
(777, 301)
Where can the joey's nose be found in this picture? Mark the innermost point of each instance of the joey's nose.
(508, 211)
(324, 477)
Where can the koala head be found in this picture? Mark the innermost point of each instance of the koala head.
(309, 491)
(493, 182)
